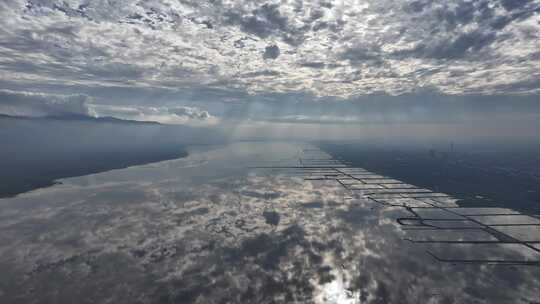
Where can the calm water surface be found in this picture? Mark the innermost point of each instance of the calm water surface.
(210, 229)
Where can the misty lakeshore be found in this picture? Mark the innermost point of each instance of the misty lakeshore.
(47, 149)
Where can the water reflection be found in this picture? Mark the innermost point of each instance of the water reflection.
(209, 229)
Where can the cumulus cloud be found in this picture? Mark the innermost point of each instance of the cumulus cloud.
(192, 113)
(167, 115)
(30, 104)
(39, 104)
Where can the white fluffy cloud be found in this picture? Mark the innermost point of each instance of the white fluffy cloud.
(39, 104)
(340, 48)
(175, 115)
(30, 104)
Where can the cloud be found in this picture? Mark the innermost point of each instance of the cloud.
(462, 45)
(344, 49)
(192, 113)
(266, 20)
(167, 115)
(39, 104)
(271, 52)
(513, 4)
(30, 104)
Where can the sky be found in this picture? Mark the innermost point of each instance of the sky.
(205, 62)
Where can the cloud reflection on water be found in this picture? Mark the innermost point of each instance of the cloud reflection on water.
(206, 229)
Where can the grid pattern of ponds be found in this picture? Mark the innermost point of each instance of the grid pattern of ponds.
(447, 229)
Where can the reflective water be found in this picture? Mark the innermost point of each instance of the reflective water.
(210, 229)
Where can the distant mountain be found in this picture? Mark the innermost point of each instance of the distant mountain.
(37, 151)
(80, 117)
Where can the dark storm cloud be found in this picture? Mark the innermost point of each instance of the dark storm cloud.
(271, 52)
(262, 73)
(514, 4)
(467, 43)
(361, 54)
(416, 6)
(314, 65)
(116, 71)
(262, 21)
(265, 21)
